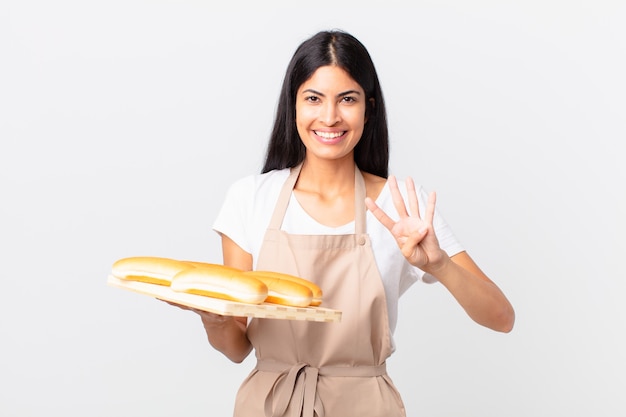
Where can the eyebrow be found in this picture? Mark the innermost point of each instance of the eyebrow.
(345, 93)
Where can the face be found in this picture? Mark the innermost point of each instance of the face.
(330, 114)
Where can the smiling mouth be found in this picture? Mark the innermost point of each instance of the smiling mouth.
(329, 135)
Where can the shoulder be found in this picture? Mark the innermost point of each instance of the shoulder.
(377, 189)
(247, 208)
(373, 185)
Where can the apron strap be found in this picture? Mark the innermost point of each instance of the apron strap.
(300, 384)
(285, 194)
(359, 202)
(283, 198)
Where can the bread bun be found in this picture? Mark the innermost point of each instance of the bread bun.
(150, 269)
(316, 291)
(283, 291)
(219, 281)
(198, 264)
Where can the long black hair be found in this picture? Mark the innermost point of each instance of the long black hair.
(285, 149)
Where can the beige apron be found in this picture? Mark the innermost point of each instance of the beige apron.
(307, 368)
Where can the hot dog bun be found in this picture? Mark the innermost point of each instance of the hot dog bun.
(316, 291)
(150, 269)
(198, 264)
(219, 281)
(283, 291)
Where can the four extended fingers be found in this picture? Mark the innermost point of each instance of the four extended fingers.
(400, 204)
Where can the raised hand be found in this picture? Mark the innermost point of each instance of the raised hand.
(414, 235)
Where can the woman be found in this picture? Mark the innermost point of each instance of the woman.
(324, 209)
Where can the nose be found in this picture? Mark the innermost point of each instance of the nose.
(329, 114)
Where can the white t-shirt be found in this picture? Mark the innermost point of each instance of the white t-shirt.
(249, 205)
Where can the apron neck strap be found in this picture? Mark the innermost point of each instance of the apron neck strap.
(359, 202)
(285, 195)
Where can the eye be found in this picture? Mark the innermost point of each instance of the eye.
(312, 99)
(348, 99)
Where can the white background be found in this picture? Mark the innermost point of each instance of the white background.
(123, 122)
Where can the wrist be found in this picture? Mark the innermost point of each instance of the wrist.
(438, 265)
(213, 321)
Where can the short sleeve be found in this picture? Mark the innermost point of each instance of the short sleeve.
(234, 215)
(247, 209)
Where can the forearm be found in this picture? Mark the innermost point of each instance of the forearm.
(483, 301)
(228, 336)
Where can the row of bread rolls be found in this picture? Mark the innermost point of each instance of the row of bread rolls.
(219, 281)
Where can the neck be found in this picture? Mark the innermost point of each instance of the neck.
(326, 177)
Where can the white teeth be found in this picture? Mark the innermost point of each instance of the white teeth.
(329, 135)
